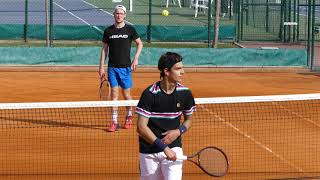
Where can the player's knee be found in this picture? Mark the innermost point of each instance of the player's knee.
(126, 94)
(114, 94)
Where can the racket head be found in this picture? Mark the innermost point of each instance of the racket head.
(104, 89)
(213, 161)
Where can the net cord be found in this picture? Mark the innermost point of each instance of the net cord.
(123, 103)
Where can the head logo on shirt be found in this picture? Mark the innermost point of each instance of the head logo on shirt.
(119, 36)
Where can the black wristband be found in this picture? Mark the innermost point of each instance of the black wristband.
(182, 128)
(160, 144)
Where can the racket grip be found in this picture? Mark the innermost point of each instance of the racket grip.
(182, 157)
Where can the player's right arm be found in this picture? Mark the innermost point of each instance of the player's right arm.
(103, 55)
(146, 133)
(144, 110)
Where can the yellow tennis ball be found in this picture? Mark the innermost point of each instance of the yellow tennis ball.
(165, 13)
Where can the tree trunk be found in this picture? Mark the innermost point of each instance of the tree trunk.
(216, 23)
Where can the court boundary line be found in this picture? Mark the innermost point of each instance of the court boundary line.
(261, 145)
(72, 14)
(297, 115)
(103, 10)
(79, 18)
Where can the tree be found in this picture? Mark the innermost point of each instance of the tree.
(216, 23)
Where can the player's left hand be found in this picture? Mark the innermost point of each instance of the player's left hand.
(134, 64)
(170, 136)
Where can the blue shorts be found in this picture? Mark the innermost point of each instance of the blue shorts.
(120, 77)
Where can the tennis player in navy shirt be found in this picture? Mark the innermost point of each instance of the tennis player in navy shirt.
(159, 111)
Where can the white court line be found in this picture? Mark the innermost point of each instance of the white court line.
(103, 10)
(84, 21)
(302, 14)
(304, 9)
(297, 114)
(254, 140)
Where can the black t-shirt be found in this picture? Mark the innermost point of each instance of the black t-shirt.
(119, 41)
(164, 112)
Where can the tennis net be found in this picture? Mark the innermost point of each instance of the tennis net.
(263, 136)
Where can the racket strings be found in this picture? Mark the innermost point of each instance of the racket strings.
(213, 161)
(104, 90)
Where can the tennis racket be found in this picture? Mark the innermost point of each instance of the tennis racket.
(211, 160)
(105, 90)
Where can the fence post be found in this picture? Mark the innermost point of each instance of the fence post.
(298, 21)
(313, 34)
(309, 33)
(150, 22)
(267, 15)
(230, 9)
(51, 24)
(209, 21)
(289, 20)
(47, 23)
(285, 19)
(241, 18)
(25, 29)
(294, 20)
(281, 20)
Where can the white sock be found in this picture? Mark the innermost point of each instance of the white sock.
(115, 116)
(129, 112)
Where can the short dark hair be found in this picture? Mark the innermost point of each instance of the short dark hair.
(168, 60)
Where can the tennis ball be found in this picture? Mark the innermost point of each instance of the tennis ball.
(165, 13)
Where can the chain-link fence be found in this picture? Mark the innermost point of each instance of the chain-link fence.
(275, 20)
(188, 20)
(293, 22)
(86, 19)
(285, 21)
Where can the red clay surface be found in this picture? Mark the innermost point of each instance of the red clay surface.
(282, 144)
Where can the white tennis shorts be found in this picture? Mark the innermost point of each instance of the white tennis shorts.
(157, 167)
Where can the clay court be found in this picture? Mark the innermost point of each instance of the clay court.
(261, 143)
